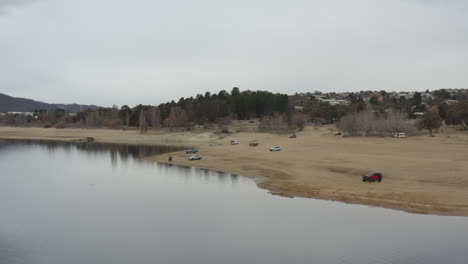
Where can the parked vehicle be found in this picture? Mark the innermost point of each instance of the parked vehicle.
(292, 136)
(253, 143)
(195, 157)
(338, 133)
(191, 151)
(399, 135)
(372, 177)
(234, 142)
(275, 148)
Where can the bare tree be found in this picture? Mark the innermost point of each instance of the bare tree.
(274, 122)
(366, 123)
(114, 112)
(357, 124)
(142, 124)
(177, 117)
(155, 117)
(431, 119)
(299, 120)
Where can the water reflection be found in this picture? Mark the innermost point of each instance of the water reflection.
(120, 154)
(116, 152)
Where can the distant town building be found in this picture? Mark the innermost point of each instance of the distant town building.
(21, 113)
(451, 101)
(334, 101)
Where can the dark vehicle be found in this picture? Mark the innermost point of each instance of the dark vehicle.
(190, 151)
(372, 177)
(292, 136)
(253, 143)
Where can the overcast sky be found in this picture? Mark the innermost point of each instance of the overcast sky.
(148, 51)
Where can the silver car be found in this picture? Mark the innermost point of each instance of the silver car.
(195, 157)
(275, 148)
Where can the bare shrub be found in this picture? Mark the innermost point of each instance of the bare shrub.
(393, 123)
(357, 124)
(142, 124)
(223, 121)
(47, 125)
(155, 117)
(272, 123)
(365, 123)
(61, 125)
(143, 127)
(299, 121)
(177, 117)
(114, 123)
(94, 119)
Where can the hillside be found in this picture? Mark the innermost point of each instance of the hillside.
(16, 104)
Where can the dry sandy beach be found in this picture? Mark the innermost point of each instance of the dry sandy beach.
(423, 174)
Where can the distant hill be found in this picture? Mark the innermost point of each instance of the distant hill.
(15, 104)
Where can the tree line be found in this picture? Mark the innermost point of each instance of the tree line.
(275, 111)
(199, 110)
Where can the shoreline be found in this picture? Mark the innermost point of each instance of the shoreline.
(422, 175)
(297, 191)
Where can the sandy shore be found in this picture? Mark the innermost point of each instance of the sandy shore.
(133, 136)
(427, 175)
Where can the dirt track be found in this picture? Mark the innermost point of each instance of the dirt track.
(421, 174)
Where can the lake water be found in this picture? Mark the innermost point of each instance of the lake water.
(100, 204)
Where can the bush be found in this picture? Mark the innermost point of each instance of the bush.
(272, 123)
(114, 123)
(225, 130)
(61, 125)
(367, 123)
(299, 121)
(431, 119)
(223, 121)
(47, 125)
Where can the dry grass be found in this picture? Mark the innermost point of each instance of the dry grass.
(421, 174)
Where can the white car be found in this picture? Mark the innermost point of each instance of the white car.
(234, 142)
(195, 157)
(399, 135)
(275, 148)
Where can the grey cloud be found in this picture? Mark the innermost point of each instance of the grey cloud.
(148, 51)
(4, 4)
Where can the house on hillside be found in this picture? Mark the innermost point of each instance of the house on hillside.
(418, 115)
(427, 96)
(451, 101)
(21, 113)
(334, 101)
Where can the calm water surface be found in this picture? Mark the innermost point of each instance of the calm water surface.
(89, 203)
